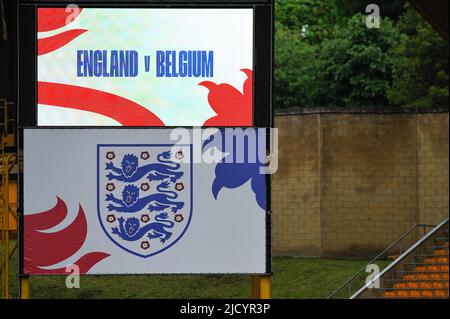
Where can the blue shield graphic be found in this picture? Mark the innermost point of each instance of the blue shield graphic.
(144, 195)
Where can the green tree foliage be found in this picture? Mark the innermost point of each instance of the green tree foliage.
(295, 69)
(421, 69)
(313, 19)
(388, 8)
(326, 56)
(355, 66)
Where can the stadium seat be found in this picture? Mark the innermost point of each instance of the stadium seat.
(441, 293)
(425, 278)
(400, 286)
(412, 285)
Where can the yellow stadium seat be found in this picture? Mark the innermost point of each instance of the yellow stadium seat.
(430, 279)
(438, 285)
(441, 293)
(390, 294)
(423, 277)
(440, 252)
(400, 285)
(433, 268)
(413, 285)
(425, 285)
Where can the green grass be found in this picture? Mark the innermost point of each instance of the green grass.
(293, 278)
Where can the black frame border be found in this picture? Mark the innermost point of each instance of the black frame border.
(263, 54)
(263, 61)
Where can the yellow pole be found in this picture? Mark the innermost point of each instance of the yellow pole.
(260, 287)
(24, 287)
(255, 287)
(264, 282)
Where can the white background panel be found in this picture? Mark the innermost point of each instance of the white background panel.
(226, 235)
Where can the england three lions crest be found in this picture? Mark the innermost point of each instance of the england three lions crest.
(144, 195)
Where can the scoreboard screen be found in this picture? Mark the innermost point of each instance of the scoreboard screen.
(144, 67)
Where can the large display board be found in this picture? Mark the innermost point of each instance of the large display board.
(134, 200)
(145, 63)
(141, 201)
(144, 66)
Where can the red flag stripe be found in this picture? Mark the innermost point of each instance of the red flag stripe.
(124, 111)
(46, 45)
(55, 18)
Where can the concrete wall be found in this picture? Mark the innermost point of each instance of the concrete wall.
(433, 168)
(348, 185)
(296, 188)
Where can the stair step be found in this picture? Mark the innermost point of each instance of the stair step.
(432, 276)
(425, 264)
(420, 285)
(431, 268)
(416, 280)
(414, 272)
(436, 260)
(422, 297)
(430, 255)
(419, 275)
(415, 293)
(436, 247)
(407, 289)
(416, 296)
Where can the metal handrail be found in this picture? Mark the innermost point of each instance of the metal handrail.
(403, 256)
(348, 281)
